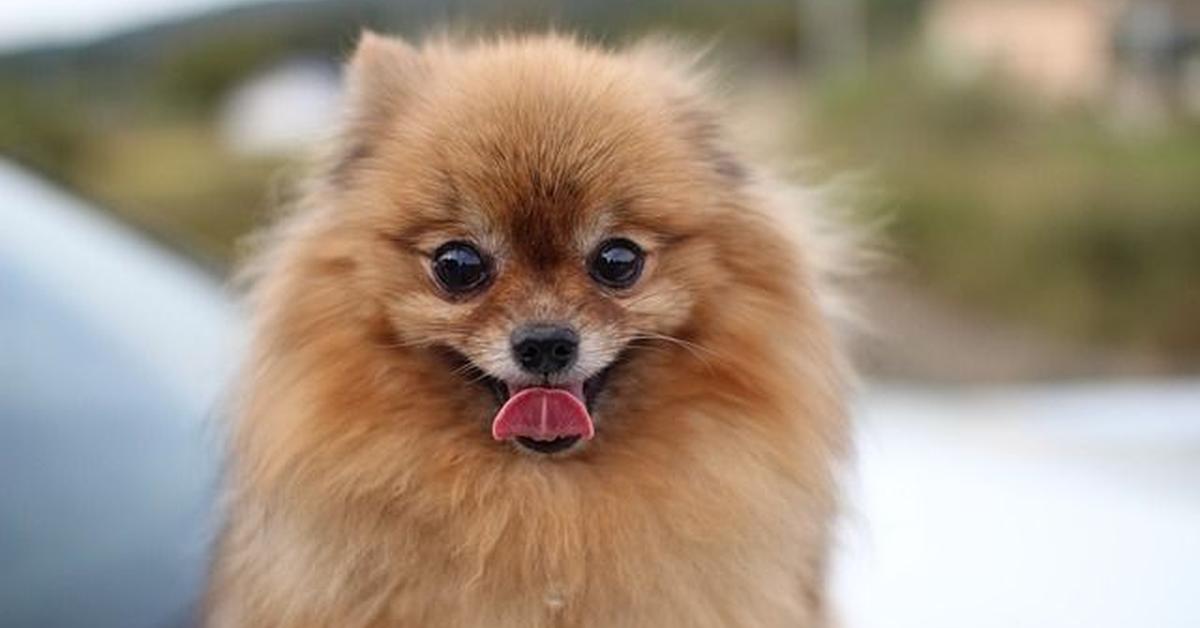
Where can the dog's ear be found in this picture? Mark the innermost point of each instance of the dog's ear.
(380, 77)
(686, 76)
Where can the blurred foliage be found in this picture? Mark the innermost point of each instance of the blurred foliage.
(178, 182)
(196, 77)
(43, 129)
(1055, 216)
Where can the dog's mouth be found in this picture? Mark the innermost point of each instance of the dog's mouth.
(542, 418)
(546, 418)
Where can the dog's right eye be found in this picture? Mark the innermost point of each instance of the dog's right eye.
(459, 267)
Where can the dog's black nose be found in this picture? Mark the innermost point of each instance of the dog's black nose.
(544, 349)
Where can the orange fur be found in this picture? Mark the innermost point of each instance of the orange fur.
(365, 489)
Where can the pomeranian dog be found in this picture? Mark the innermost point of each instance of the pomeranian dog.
(536, 349)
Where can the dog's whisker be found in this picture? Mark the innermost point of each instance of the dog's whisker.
(692, 346)
(696, 350)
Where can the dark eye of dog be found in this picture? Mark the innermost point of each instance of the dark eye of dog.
(459, 267)
(617, 263)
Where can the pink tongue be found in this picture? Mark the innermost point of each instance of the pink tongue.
(543, 414)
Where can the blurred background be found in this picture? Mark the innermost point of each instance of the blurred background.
(1036, 163)
(1031, 414)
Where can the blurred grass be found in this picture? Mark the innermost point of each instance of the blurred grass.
(1055, 217)
(178, 182)
(167, 175)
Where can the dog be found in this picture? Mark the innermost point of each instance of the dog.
(536, 348)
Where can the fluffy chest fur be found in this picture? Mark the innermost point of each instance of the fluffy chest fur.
(733, 542)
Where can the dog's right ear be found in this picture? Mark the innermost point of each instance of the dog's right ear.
(380, 77)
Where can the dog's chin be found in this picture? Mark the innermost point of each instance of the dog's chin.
(589, 393)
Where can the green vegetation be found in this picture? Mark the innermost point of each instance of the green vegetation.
(166, 174)
(1055, 217)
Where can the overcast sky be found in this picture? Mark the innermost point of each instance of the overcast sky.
(26, 23)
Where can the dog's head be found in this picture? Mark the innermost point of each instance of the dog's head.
(560, 228)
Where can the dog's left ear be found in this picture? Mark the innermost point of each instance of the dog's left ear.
(380, 78)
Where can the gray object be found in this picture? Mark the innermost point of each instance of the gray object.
(113, 355)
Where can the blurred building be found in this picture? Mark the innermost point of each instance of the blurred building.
(1071, 50)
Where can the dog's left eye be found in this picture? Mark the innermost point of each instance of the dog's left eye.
(617, 263)
(459, 267)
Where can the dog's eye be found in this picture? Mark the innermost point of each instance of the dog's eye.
(459, 267)
(617, 263)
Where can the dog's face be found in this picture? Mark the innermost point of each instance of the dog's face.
(544, 290)
(539, 226)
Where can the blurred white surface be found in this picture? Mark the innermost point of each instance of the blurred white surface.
(282, 110)
(150, 302)
(1037, 507)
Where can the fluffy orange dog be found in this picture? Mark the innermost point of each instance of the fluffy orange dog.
(537, 350)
